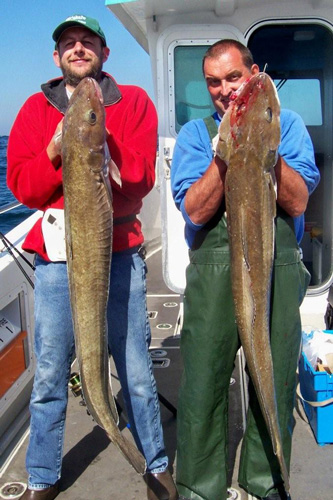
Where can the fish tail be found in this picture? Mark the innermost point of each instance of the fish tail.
(107, 418)
(276, 439)
(284, 471)
(130, 452)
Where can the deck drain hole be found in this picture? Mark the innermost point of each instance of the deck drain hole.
(164, 326)
(12, 490)
(233, 494)
(170, 304)
(161, 362)
(152, 314)
(158, 353)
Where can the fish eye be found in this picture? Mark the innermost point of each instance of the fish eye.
(93, 117)
(269, 115)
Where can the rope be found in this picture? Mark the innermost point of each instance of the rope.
(9, 246)
(313, 403)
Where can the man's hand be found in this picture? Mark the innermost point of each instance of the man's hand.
(54, 148)
(221, 149)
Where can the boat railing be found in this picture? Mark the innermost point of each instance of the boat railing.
(9, 206)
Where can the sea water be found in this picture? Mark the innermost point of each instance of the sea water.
(8, 220)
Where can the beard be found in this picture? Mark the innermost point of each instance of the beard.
(73, 78)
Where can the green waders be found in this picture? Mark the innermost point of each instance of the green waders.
(209, 343)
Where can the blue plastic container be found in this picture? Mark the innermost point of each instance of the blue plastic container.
(315, 387)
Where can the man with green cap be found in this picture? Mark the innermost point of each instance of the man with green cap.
(34, 175)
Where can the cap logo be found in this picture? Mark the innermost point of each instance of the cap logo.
(81, 19)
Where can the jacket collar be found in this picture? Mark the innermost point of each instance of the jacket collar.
(55, 92)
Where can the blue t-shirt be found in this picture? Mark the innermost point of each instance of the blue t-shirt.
(193, 154)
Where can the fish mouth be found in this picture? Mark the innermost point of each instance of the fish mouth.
(97, 90)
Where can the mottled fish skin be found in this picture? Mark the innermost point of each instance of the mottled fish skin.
(88, 228)
(249, 136)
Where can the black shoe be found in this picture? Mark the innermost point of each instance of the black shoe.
(45, 494)
(160, 486)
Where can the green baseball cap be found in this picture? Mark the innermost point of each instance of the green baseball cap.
(79, 20)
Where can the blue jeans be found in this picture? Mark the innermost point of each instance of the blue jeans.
(129, 339)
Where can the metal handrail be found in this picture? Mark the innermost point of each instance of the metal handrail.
(9, 206)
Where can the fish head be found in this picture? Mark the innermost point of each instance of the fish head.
(84, 122)
(253, 119)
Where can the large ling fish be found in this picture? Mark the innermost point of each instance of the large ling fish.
(249, 136)
(88, 230)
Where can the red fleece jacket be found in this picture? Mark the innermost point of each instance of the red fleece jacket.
(132, 123)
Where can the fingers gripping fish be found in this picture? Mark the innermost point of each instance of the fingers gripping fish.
(88, 229)
(249, 137)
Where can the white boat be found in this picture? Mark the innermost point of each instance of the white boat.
(295, 39)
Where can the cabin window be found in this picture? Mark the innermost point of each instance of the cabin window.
(303, 96)
(299, 59)
(191, 97)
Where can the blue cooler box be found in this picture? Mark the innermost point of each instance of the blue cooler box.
(317, 387)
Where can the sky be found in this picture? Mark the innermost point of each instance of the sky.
(26, 49)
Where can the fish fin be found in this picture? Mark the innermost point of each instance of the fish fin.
(112, 402)
(130, 452)
(68, 246)
(222, 150)
(284, 473)
(114, 172)
(70, 253)
(112, 167)
(272, 184)
(107, 183)
(248, 314)
(244, 240)
(283, 467)
(215, 141)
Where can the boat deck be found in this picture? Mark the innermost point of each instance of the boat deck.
(93, 469)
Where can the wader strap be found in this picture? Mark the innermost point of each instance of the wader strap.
(122, 220)
(211, 126)
(212, 130)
